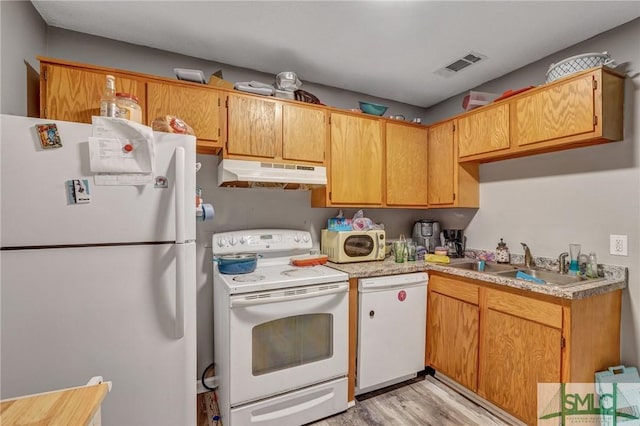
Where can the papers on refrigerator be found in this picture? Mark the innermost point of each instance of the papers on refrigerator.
(121, 152)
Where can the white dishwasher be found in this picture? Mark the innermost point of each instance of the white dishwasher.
(391, 329)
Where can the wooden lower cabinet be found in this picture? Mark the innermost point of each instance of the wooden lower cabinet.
(501, 342)
(452, 329)
(518, 352)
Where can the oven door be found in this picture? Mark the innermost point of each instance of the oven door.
(286, 339)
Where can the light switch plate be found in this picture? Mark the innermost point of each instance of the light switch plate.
(618, 245)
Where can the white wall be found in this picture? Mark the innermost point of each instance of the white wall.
(22, 37)
(236, 208)
(547, 201)
(581, 195)
(241, 208)
(90, 49)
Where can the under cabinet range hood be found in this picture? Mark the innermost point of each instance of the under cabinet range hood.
(246, 173)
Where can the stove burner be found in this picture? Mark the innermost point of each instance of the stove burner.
(248, 278)
(301, 272)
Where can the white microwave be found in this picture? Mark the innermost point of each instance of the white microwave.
(353, 246)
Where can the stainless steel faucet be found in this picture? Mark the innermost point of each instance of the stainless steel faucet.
(562, 263)
(528, 259)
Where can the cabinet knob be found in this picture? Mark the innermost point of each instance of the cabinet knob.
(372, 314)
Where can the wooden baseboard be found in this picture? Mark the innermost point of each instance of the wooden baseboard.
(493, 409)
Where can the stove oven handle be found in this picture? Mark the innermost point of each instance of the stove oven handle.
(239, 301)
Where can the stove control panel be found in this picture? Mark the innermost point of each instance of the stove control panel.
(260, 241)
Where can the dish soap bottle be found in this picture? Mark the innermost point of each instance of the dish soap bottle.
(502, 252)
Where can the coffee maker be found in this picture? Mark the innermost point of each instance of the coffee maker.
(454, 241)
(426, 233)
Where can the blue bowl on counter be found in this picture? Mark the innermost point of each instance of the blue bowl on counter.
(373, 109)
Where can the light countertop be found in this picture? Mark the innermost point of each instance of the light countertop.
(615, 277)
(75, 406)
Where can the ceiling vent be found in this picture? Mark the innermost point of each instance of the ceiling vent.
(460, 64)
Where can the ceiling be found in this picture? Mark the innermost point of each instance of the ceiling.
(388, 49)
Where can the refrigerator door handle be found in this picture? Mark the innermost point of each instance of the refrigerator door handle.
(180, 196)
(180, 239)
(180, 271)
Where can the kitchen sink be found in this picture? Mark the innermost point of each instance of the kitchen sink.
(488, 267)
(550, 277)
(510, 271)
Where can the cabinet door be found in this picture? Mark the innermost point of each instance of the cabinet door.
(304, 133)
(561, 110)
(406, 165)
(254, 127)
(484, 131)
(521, 347)
(356, 160)
(73, 94)
(452, 338)
(198, 107)
(517, 355)
(440, 189)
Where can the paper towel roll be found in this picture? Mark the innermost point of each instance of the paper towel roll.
(206, 213)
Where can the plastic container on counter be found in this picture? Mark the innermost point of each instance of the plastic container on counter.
(128, 107)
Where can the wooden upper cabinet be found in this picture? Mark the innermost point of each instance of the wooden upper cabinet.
(483, 131)
(440, 189)
(582, 109)
(304, 133)
(71, 91)
(73, 94)
(254, 127)
(561, 110)
(198, 107)
(356, 160)
(406, 165)
(268, 128)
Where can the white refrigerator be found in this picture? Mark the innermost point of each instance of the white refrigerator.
(105, 287)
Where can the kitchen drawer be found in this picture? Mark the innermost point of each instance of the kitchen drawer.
(525, 307)
(454, 288)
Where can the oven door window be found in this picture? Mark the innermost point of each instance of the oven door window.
(290, 342)
(359, 245)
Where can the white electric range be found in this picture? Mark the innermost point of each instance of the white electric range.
(280, 332)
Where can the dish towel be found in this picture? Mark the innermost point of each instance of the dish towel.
(522, 276)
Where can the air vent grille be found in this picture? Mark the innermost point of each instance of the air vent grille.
(472, 58)
(460, 64)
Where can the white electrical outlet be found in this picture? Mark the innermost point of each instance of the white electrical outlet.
(618, 245)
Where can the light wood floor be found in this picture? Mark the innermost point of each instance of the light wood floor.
(423, 402)
(420, 403)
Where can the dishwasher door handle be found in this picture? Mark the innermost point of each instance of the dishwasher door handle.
(377, 287)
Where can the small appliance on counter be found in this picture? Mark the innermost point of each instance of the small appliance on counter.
(454, 241)
(426, 233)
(353, 246)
